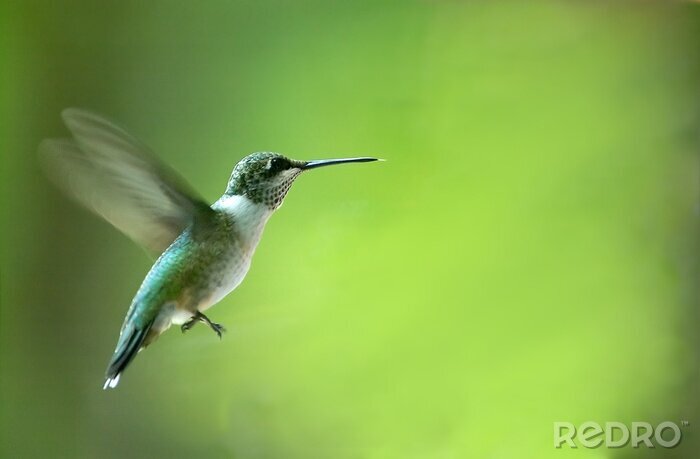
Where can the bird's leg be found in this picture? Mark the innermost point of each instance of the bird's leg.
(189, 324)
(198, 316)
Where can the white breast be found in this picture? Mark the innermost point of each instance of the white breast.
(250, 219)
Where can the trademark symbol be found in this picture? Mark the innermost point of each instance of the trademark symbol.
(685, 423)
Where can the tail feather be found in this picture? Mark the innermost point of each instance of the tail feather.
(126, 350)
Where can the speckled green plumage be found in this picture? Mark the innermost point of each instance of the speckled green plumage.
(186, 272)
(252, 175)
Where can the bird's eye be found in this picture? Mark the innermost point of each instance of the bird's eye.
(276, 164)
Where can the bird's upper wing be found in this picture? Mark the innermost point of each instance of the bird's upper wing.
(117, 177)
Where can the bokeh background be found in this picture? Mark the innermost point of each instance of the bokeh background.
(527, 254)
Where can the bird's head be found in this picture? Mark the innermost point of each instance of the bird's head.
(266, 177)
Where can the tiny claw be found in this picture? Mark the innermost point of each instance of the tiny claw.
(189, 324)
(218, 329)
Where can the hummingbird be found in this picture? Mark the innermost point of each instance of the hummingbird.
(203, 251)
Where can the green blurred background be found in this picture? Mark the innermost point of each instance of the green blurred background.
(527, 255)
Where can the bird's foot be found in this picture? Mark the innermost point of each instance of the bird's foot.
(189, 324)
(199, 317)
(218, 328)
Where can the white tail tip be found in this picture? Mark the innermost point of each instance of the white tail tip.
(111, 383)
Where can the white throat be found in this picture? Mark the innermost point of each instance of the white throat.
(249, 217)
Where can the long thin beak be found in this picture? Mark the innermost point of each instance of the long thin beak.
(329, 162)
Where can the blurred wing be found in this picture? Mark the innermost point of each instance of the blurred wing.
(114, 175)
